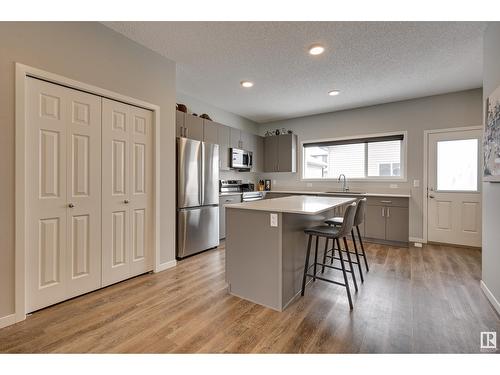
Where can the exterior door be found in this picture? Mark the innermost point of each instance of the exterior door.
(127, 191)
(454, 190)
(63, 178)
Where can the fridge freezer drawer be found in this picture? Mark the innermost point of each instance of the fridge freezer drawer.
(197, 230)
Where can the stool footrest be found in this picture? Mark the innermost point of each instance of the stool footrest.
(327, 280)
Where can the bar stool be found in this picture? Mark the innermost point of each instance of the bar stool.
(334, 233)
(358, 220)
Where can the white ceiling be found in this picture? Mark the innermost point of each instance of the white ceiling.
(370, 62)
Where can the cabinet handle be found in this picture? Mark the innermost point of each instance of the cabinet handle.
(187, 131)
(71, 205)
(383, 211)
(388, 212)
(126, 201)
(388, 202)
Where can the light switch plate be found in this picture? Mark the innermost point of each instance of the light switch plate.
(274, 220)
(416, 183)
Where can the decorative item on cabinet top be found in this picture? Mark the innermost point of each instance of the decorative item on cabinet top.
(183, 108)
(281, 131)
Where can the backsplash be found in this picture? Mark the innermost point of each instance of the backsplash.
(235, 175)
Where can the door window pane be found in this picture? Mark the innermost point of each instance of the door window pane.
(457, 162)
(384, 159)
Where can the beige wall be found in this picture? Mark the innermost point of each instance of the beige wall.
(491, 191)
(90, 53)
(416, 115)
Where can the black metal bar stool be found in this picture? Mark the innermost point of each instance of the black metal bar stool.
(334, 233)
(358, 220)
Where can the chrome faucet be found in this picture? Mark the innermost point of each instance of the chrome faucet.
(344, 182)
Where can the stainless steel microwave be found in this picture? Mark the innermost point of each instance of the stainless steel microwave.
(241, 159)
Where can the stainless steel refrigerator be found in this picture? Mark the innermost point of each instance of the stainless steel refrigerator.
(197, 196)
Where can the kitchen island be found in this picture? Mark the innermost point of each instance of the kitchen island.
(266, 245)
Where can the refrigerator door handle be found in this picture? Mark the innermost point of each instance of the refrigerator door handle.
(202, 174)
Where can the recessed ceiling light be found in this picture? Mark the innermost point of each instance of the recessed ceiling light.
(333, 92)
(316, 49)
(246, 84)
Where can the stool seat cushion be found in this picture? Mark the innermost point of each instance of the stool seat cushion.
(323, 231)
(335, 221)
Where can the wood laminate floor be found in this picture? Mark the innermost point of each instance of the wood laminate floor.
(413, 300)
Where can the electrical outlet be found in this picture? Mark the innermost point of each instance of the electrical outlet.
(309, 184)
(417, 244)
(274, 220)
(393, 186)
(416, 183)
(274, 182)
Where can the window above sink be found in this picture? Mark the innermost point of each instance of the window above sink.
(377, 157)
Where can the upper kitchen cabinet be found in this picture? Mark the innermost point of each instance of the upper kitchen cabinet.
(188, 126)
(258, 153)
(179, 123)
(280, 153)
(193, 127)
(224, 141)
(210, 132)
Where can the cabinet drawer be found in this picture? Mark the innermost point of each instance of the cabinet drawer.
(228, 199)
(387, 201)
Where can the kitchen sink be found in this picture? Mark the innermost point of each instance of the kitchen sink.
(346, 192)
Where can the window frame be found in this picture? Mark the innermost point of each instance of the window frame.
(403, 161)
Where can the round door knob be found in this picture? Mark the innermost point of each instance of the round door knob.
(126, 201)
(71, 205)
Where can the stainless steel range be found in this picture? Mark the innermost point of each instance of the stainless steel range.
(237, 186)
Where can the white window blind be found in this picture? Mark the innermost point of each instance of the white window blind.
(371, 157)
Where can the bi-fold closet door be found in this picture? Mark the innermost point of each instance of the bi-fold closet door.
(63, 159)
(89, 184)
(127, 185)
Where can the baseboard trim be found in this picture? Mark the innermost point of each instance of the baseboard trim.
(165, 266)
(416, 239)
(490, 297)
(7, 320)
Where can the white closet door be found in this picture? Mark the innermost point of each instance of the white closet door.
(127, 198)
(84, 193)
(141, 191)
(63, 243)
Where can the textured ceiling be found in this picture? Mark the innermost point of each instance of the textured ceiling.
(370, 62)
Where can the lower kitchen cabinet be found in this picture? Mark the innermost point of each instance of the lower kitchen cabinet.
(396, 224)
(223, 200)
(387, 219)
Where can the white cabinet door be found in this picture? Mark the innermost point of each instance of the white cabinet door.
(127, 191)
(63, 170)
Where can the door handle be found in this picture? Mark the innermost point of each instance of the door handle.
(431, 196)
(126, 201)
(71, 205)
(388, 212)
(383, 211)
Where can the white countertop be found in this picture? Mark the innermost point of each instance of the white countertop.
(299, 204)
(306, 192)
